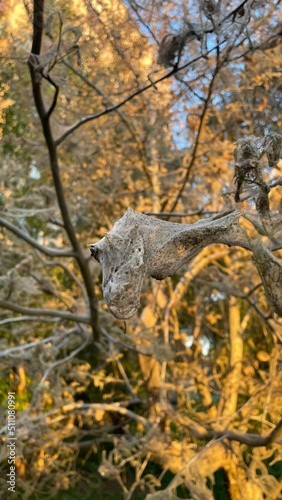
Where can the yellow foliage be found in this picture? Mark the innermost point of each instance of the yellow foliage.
(263, 356)
(99, 415)
(148, 317)
(213, 318)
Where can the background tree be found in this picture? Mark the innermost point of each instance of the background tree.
(188, 403)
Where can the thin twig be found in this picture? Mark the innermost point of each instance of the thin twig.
(127, 346)
(106, 111)
(186, 174)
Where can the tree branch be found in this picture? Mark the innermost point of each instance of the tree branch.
(115, 107)
(38, 24)
(24, 318)
(5, 304)
(187, 171)
(36, 78)
(113, 408)
(198, 431)
(51, 252)
(71, 274)
(63, 360)
(253, 440)
(55, 98)
(124, 120)
(123, 344)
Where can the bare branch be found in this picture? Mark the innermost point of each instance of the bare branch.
(115, 107)
(54, 263)
(45, 312)
(124, 120)
(182, 214)
(199, 432)
(254, 440)
(127, 346)
(26, 318)
(113, 408)
(36, 77)
(91, 408)
(65, 359)
(51, 252)
(174, 198)
(55, 98)
(23, 347)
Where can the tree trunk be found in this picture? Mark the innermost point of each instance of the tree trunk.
(228, 402)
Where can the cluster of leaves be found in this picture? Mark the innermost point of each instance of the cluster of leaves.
(189, 401)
